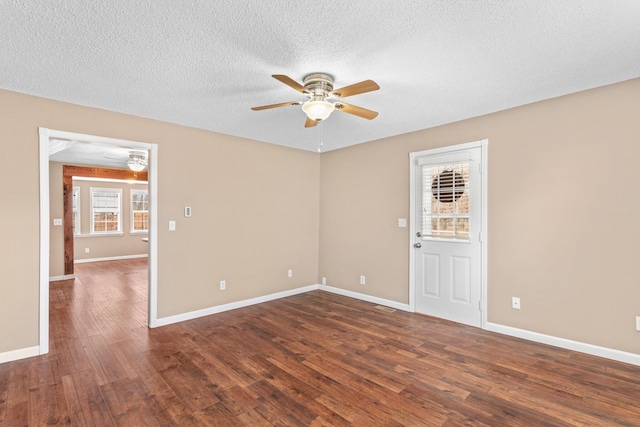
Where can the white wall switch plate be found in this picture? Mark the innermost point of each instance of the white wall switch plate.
(187, 211)
(57, 221)
(172, 226)
(362, 280)
(290, 273)
(87, 250)
(223, 285)
(515, 303)
(637, 323)
(402, 222)
(324, 280)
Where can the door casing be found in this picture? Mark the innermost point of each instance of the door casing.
(44, 136)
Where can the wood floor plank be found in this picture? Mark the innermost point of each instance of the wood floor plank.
(168, 410)
(313, 359)
(125, 404)
(86, 404)
(47, 404)
(188, 382)
(17, 415)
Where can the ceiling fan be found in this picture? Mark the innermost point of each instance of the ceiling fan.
(137, 160)
(318, 87)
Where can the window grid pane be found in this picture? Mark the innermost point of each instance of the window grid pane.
(105, 207)
(139, 210)
(75, 209)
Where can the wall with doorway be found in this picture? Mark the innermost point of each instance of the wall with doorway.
(255, 212)
(563, 214)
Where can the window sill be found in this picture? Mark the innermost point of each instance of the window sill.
(82, 236)
(139, 233)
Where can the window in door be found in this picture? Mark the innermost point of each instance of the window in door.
(445, 192)
(106, 210)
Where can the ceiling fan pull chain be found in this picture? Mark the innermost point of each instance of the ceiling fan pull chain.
(320, 143)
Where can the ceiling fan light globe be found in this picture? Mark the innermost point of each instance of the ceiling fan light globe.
(136, 166)
(318, 110)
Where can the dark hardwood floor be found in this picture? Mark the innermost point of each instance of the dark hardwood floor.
(313, 359)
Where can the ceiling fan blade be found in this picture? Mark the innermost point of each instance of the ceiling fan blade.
(355, 89)
(356, 111)
(289, 82)
(310, 123)
(282, 104)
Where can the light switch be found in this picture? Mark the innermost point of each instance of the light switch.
(402, 222)
(172, 226)
(187, 211)
(57, 221)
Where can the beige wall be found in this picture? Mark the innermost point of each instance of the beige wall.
(107, 246)
(563, 214)
(255, 211)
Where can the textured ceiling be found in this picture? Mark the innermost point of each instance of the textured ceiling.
(206, 63)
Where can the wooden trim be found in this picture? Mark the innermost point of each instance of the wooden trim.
(68, 172)
(67, 191)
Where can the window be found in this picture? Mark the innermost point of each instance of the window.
(106, 209)
(75, 211)
(445, 201)
(139, 211)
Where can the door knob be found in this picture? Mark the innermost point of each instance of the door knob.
(417, 245)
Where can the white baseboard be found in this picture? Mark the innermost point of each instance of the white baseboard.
(111, 258)
(23, 353)
(230, 306)
(591, 349)
(65, 277)
(364, 297)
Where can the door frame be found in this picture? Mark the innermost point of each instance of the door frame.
(483, 145)
(45, 135)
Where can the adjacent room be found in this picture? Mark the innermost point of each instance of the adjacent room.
(348, 213)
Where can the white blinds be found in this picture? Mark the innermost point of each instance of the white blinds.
(445, 201)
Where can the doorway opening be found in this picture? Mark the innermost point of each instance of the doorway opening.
(47, 137)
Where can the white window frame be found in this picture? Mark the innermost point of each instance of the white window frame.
(75, 208)
(93, 209)
(132, 210)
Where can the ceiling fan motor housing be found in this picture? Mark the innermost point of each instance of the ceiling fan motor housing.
(318, 85)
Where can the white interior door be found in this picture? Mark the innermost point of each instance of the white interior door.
(448, 226)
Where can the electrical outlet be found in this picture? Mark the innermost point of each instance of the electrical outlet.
(637, 323)
(515, 303)
(223, 285)
(87, 250)
(290, 273)
(362, 280)
(324, 280)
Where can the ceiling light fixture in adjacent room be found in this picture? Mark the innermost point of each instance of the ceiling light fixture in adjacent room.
(137, 161)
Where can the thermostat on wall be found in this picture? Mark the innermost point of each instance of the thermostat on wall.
(187, 211)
